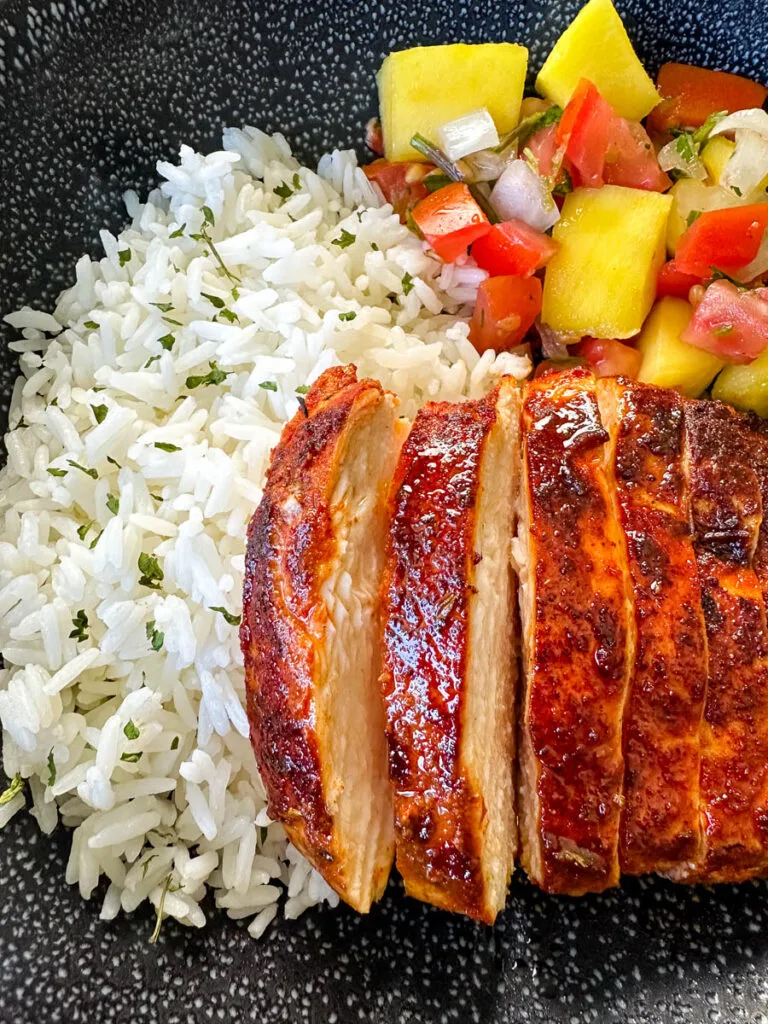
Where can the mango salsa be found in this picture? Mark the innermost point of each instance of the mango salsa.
(423, 88)
(745, 387)
(602, 281)
(689, 198)
(596, 46)
(669, 362)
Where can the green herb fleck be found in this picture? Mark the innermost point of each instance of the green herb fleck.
(95, 540)
(57, 472)
(113, 462)
(684, 146)
(167, 341)
(100, 412)
(283, 191)
(178, 232)
(692, 217)
(407, 283)
(173, 323)
(374, 247)
(164, 446)
(157, 497)
(151, 573)
(91, 325)
(175, 743)
(124, 256)
(216, 376)
(233, 620)
(208, 217)
(131, 758)
(345, 239)
(16, 786)
(214, 300)
(160, 904)
(737, 190)
(268, 385)
(564, 185)
(82, 530)
(227, 314)
(152, 359)
(113, 504)
(164, 307)
(302, 389)
(720, 275)
(51, 769)
(435, 181)
(130, 730)
(80, 622)
(347, 316)
(88, 472)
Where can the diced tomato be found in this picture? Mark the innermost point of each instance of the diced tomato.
(631, 159)
(374, 136)
(585, 130)
(727, 239)
(673, 281)
(505, 310)
(450, 221)
(609, 358)
(730, 322)
(513, 248)
(401, 182)
(547, 151)
(690, 94)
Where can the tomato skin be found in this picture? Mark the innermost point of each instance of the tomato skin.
(547, 151)
(673, 281)
(585, 130)
(690, 94)
(631, 159)
(505, 310)
(401, 182)
(513, 248)
(730, 322)
(450, 221)
(609, 358)
(727, 239)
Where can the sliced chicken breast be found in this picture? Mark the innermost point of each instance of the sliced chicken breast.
(311, 631)
(578, 641)
(726, 511)
(449, 638)
(660, 821)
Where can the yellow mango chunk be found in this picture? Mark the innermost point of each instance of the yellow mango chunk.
(423, 88)
(602, 280)
(715, 155)
(745, 387)
(669, 362)
(596, 46)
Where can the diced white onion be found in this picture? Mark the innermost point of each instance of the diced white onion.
(758, 267)
(754, 120)
(520, 192)
(748, 165)
(671, 159)
(486, 165)
(468, 134)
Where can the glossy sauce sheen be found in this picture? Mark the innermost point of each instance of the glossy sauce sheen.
(660, 822)
(290, 543)
(727, 510)
(427, 584)
(578, 661)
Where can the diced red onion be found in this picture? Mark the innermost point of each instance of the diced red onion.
(554, 344)
(521, 193)
(468, 134)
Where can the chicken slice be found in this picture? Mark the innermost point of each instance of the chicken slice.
(726, 512)
(660, 822)
(578, 641)
(450, 654)
(311, 631)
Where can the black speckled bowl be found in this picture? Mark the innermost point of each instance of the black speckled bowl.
(92, 93)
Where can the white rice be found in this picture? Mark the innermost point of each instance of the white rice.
(144, 752)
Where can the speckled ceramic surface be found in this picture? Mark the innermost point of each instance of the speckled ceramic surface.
(92, 93)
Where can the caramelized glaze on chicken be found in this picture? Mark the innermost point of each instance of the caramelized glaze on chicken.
(726, 512)
(660, 822)
(311, 631)
(578, 630)
(449, 653)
